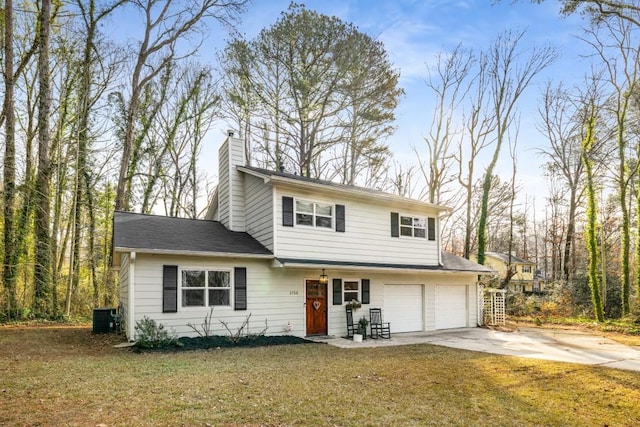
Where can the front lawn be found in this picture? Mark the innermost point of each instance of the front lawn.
(69, 376)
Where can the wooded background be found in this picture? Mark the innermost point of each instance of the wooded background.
(90, 125)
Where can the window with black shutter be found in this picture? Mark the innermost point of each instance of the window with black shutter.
(366, 292)
(170, 289)
(337, 291)
(340, 218)
(431, 228)
(395, 226)
(240, 288)
(287, 211)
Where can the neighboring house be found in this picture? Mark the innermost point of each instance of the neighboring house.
(523, 280)
(293, 251)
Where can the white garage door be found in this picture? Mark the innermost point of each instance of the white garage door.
(403, 307)
(451, 307)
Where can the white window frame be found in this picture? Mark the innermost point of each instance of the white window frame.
(413, 226)
(206, 288)
(358, 291)
(528, 267)
(314, 215)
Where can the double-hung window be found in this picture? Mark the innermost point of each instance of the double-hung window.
(351, 290)
(205, 288)
(314, 214)
(413, 226)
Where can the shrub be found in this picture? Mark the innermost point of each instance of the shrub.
(150, 334)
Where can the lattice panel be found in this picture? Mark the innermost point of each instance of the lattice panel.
(494, 307)
(499, 308)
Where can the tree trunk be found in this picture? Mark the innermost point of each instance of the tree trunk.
(591, 231)
(42, 266)
(9, 177)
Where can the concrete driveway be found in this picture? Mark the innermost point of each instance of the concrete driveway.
(560, 345)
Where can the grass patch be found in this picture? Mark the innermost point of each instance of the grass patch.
(69, 376)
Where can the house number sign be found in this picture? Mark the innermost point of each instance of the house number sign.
(316, 304)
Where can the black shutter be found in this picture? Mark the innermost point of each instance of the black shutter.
(170, 289)
(366, 293)
(240, 288)
(340, 218)
(395, 226)
(337, 291)
(432, 228)
(287, 211)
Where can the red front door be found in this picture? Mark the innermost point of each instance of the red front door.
(316, 308)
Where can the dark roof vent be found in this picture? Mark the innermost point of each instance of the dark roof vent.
(230, 133)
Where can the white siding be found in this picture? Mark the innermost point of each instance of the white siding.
(123, 284)
(231, 211)
(223, 184)
(277, 295)
(367, 237)
(259, 210)
(271, 295)
(236, 153)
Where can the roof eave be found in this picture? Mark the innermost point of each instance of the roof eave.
(386, 197)
(192, 253)
(308, 264)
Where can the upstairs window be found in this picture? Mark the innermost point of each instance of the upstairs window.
(526, 269)
(314, 214)
(205, 288)
(413, 226)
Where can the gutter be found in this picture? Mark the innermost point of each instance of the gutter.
(193, 253)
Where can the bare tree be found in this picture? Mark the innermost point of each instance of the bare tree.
(589, 145)
(88, 93)
(477, 136)
(615, 44)
(508, 76)
(450, 82)
(603, 10)
(9, 174)
(42, 266)
(560, 122)
(166, 23)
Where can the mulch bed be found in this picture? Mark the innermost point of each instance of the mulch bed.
(216, 341)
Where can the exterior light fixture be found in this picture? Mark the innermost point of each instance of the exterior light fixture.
(323, 278)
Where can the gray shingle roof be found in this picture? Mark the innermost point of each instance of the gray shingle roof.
(160, 233)
(141, 232)
(335, 185)
(505, 258)
(456, 263)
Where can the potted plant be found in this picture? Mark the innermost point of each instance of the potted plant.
(362, 326)
(354, 304)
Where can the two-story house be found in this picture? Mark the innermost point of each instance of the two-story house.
(293, 251)
(522, 279)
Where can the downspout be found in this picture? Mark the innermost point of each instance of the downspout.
(131, 297)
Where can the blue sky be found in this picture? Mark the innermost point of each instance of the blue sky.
(413, 32)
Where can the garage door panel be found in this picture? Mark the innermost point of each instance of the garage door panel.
(403, 307)
(451, 307)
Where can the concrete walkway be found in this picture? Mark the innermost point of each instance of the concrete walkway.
(561, 345)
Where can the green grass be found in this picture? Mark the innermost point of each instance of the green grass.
(68, 376)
